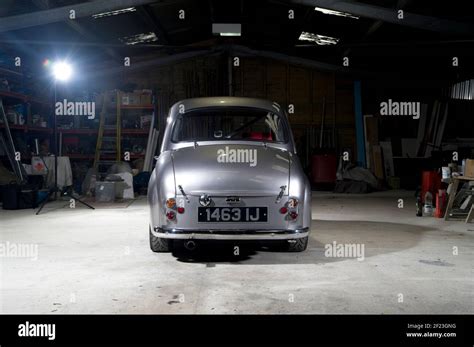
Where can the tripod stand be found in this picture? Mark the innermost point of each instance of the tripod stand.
(55, 189)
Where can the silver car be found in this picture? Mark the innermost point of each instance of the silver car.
(228, 170)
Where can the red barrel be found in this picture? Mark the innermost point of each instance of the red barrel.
(430, 182)
(323, 168)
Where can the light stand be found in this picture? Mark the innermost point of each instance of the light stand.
(55, 189)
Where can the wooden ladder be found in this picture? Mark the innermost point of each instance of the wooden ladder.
(108, 148)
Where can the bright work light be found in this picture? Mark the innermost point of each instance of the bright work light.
(62, 71)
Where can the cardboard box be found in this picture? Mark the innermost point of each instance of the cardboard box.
(125, 99)
(469, 168)
(134, 98)
(145, 99)
(111, 101)
(131, 99)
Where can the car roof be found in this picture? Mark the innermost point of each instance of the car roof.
(227, 101)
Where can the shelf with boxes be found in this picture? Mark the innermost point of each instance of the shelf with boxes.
(28, 117)
(25, 112)
(133, 111)
(26, 128)
(23, 106)
(9, 95)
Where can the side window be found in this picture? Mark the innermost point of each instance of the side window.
(273, 122)
(177, 130)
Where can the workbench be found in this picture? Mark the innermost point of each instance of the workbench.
(452, 198)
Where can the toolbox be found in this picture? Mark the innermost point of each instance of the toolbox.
(16, 197)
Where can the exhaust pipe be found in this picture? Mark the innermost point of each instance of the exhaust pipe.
(190, 245)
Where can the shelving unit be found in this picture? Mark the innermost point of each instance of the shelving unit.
(4, 94)
(78, 140)
(24, 134)
(125, 113)
(28, 129)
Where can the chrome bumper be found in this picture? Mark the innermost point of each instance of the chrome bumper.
(239, 234)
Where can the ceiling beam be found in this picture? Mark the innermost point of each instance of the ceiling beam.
(391, 16)
(59, 14)
(243, 51)
(377, 24)
(232, 49)
(151, 63)
(400, 4)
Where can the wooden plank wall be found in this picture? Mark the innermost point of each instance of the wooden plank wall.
(305, 88)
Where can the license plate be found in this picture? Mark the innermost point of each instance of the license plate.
(232, 214)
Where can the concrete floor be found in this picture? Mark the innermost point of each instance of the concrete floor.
(100, 262)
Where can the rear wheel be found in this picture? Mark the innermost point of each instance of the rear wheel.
(158, 244)
(297, 245)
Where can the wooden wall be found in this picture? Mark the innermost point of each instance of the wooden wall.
(306, 88)
(309, 90)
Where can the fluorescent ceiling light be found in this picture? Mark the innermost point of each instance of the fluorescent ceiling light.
(114, 13)
(230, 34)
(139, 38)
(318, 39)
(227, 29)
(335, 13)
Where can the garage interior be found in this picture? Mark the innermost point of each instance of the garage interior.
(379, 97)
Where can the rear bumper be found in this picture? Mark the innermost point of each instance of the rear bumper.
(203, 234)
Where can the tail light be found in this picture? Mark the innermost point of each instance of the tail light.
(293, 215)
(180, 209)
(283, 210)
(170, 215)
(171, 203)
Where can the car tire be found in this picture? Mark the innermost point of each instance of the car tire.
(299, 245)
(158, 244)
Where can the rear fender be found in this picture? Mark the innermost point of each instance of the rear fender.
(160, 188)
